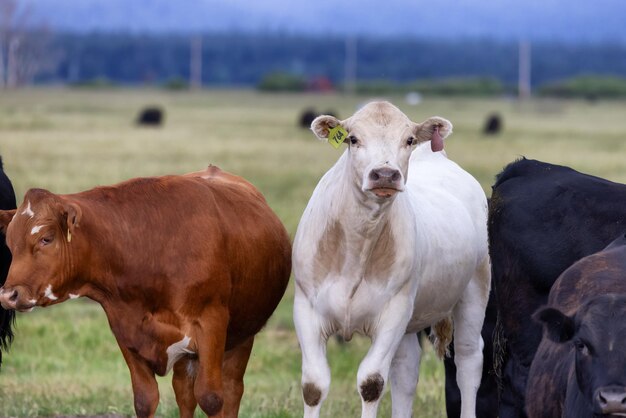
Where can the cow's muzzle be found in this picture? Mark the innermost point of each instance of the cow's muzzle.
(13, 299)
(611, 400)
(385, 182)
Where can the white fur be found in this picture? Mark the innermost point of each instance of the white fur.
(74, 296)
(48, 293)
(28, 211)
(439, 227)
(176, 351)
(36, 229)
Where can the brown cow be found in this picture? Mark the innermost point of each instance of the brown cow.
(187, 268)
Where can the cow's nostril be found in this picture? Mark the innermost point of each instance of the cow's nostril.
(395, 176)
(374, 175)
(13, 296)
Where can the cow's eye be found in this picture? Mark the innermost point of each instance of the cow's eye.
(46, 241)
(353, 139)
(582, 347)
(410, 141)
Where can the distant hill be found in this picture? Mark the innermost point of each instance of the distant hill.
(572, 21)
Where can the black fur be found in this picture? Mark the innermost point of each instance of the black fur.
(542, 218)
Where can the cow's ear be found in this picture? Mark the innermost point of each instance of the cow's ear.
(322, 125)
(72, 215)
(433, 129)
(559, 327)
(6, 216)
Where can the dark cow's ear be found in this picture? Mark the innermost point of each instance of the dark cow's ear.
(72, 215)
(559, 327)
(433, 129)
(322, 125)
(6, 216)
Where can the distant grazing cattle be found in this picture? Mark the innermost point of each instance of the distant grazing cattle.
(151, 116)
(7, 201)
(580, 367)
(187, 268)
(308, 115)
(393, 240)
(306, 118)
(493, 124)
(542, 219)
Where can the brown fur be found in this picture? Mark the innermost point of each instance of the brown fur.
(372, 388)
(311, 394)
(200, 255)
(441, 336)
(381, 261)
(331, 251)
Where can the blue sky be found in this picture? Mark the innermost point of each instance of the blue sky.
(585, 21)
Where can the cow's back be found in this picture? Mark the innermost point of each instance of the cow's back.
(442, 182)
(217, 239)
(542, 218)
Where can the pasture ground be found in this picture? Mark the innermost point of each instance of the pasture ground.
(65, 361)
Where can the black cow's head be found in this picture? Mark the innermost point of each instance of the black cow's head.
(597, 333)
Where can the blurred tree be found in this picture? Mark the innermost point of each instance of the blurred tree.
(24, 45)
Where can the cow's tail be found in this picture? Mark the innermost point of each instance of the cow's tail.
(7, 320)
(500, 352)
(441, 336)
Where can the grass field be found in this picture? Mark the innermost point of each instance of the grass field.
(65, 360)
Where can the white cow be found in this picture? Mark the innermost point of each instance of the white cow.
(393, 240)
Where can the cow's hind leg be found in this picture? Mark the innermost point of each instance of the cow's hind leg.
(469, 314)
(184, 376)
(315, 370)
(235, 362)
(404, 374)
(211, 339)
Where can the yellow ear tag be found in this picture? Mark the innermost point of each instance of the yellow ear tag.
(69, 236)
(336, 136)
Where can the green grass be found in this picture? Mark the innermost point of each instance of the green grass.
(65, 360)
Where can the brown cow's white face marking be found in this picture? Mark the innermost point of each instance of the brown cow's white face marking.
(48, 293)
(36, 229)
(28, 211)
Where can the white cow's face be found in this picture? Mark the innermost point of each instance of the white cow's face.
(380, 139)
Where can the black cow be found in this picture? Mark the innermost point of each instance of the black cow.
(493, 124)
(579, 370)
(7, 317)
(151, 116)
(542, 219)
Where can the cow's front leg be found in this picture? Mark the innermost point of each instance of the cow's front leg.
(145, 388)
(315, 370)
(374, 369)
(404, 375)
(211, 340)
(468, 315)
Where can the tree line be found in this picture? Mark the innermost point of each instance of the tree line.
(240, 59)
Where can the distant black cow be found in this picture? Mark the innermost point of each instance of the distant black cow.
(7, 201)
(309, 114)
(580, 367)
(493, 124)
(542, 219)
(306, 118)
(151, 116)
